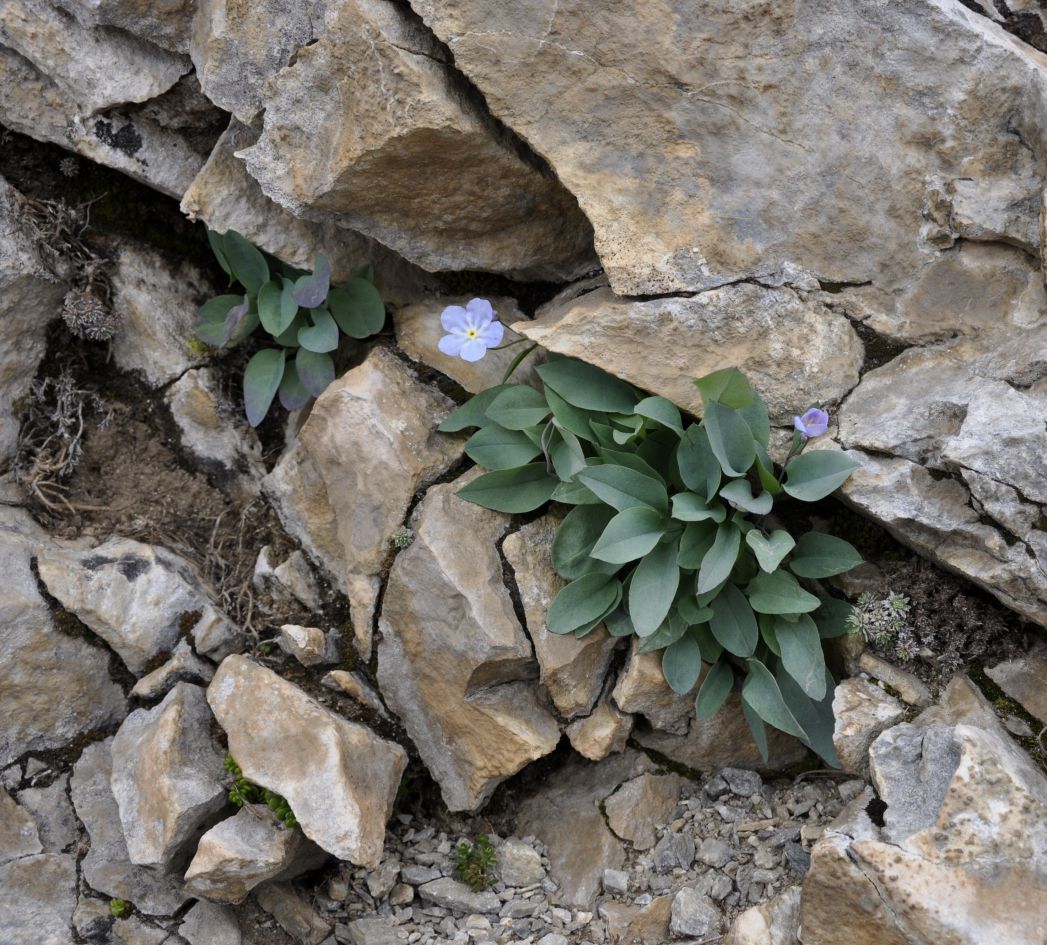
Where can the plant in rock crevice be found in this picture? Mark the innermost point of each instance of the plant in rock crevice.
(671, 537)
(243, 792)
(476, 864)
(303, 314)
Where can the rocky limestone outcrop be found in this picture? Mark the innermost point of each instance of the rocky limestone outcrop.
(339, 778)
(138, 598)
(37, 898)
(79, 695)
(453, 661)
(30, 298)
(167, 777)
(344, 486)
(1024, 679)
(862, 711)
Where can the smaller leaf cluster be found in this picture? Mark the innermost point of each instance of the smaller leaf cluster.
(475, 864)
(303, 314)
(244, 792)
(660, 544)
(119, 908)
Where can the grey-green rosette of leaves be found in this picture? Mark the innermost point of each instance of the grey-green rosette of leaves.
(669, 538)
(301, 312)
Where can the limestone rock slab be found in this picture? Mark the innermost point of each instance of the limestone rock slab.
(453, 661)
(139, 598)
(603, 732)
(78, 696)
(862, 711)
(572, 670)
(701, 169)
(106, 868)
(339, 778)
(52, 811)
(641, 805)
(37, 898)
(794, 349)
(369, 127)
(1025, 680)
(345, 485)
(167, 776)
(18, 833)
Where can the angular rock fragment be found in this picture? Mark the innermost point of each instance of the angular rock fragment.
(244, 851)
(641, 805)
(37, 898)
(165, 24)
(52, 811)
(642, 689)
(18, 833)
(35, 718)
(290, 579)
(451, 894)
(339, 778)
(210, 924)
(296, 916)
(306, 644)
(862, 711)
(345, 485)
(139, 598)
(453, 662)
(183, 666)
(427, 173)
(775, 922)
(1025, 680)
(794, 349)
(572, 670)
(106, 868)
(603, 732)
(166, 777)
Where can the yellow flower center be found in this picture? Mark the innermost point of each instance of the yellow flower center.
(472, 332)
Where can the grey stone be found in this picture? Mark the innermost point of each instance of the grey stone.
(167, 776)
(674, 850)
(138, 598)
(716, 886)
(519, 864)
(296, 916)
(1024, 679)
(306, 644)
(640, 805)
(183, 666)
(380, 881)
(714, 852)
(741, 782)
(34, 719)
(339, 778)
(51, 809)
(416, 875)
(210, 924)
(451, 894)
(615, 882)
(106, 868)
(18, 832)
(694, 914)
(37, 898)
(372, 931)
(862, 711)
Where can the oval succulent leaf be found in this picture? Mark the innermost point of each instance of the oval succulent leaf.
(585, 386)
(672, 628)
(698, 465)
(630, 535)
(697, 539)
(653, 588)
(625, 488)
(276, 308)
(802, 656)
(818, 555)
(813, 476)
(575, 538)
(661, 411)
(497, 448)
(761, 693)
(740, 493)
(581, 602)
(523, 489)
(210, 325)
(357, 307)
(518, 407)
(730, 439)
(770, 550)
(688, 507)
(248, 264)
(814, 716)
(733, 623)
(720, 558)
(715, 689)
(322, 336)
(310, 291)
(473, 413)
(233, 319)
(261, 382)
(728, 386)
(682, 664)
(293, 394)
(779, 593)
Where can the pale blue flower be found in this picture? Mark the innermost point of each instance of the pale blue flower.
(813, 423)
(470, 330)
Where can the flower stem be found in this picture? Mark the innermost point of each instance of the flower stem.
(516, 361)
(508, 344)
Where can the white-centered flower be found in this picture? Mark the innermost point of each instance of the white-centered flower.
(470, 330)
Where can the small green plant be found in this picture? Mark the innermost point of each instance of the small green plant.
(244, 792)
(119, 908)
(669, 538)
(403, 537)
(304, 315)
(882, 620)
(475, 864)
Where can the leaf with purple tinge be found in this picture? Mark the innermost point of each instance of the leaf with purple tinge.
(232, 321)
(315, 371)
(293, 393)
(311, 290)
(322, 335)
